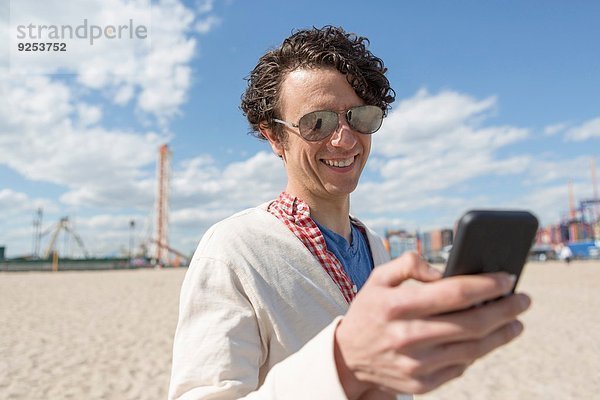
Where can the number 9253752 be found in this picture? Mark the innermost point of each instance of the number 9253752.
(50, 46)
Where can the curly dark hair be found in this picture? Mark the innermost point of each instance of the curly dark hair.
(329, 46)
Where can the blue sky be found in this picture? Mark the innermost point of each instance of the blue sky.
(497, 106)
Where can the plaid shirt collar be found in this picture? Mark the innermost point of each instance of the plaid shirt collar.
(295, 214)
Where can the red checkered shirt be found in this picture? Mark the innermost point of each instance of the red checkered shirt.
(295, 214)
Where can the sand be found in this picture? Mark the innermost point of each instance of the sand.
(108, 335)
(558, 354)
(87, 335)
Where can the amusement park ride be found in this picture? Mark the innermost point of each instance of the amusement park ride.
(62, 225)
(154, 250)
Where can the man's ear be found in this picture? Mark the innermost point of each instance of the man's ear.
(274, 140)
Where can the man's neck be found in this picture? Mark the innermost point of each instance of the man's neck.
(331, 212)
(339, 223)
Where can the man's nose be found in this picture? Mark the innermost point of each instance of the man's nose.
(344, 135)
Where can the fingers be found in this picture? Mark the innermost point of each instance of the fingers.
(419, 372)
(464, 352)
(466, 325)
(469, 351)
(432, 381)
(441, 295)
(449, 294)
(426, 369)
(449, 361)
(480, 321)
(409, 266)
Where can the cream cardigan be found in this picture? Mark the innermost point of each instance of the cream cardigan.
(257, 315)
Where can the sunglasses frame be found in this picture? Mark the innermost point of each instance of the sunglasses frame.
(345, 112)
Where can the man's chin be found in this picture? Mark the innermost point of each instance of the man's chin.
(340, 190)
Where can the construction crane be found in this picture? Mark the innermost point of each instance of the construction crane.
(62, 224)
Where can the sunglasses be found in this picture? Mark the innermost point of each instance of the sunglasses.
(318, 125)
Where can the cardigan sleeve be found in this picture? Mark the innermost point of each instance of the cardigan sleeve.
(218, 348)
(310, 373)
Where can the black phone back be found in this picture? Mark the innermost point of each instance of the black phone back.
(492, 241)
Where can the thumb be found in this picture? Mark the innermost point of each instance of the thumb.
(409, 266)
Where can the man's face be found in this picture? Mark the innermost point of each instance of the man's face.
(311, 166)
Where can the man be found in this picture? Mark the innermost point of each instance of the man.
(565, 253)
(271, 307)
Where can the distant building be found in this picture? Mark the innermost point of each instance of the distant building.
(552, 235)
(428, 244)
(441, 238)
(400, 242)
(434, 243)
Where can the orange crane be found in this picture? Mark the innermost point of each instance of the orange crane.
(163, 172)
(595, 188)
(572, 215)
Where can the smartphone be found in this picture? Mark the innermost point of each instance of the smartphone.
(492, 241)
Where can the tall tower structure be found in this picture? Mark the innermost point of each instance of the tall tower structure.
(596, 202)
(37, 233)
(573, 236)
(163, 173)
(596, 199)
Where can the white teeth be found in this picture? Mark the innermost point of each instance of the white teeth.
(339, 163)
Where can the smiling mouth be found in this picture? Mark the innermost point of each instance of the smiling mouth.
(339, 163)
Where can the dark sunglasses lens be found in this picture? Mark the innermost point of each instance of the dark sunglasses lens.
(318, 125)
(365, 119)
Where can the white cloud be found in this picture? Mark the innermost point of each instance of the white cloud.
(11, 200)
(197, 217)
(433, 143)
(204, 7)
(88, 115)
(153, 72)
(588, 130)
(123, 95)
(551, 203)
(207, 24)
(238, 185)
(164, 77)
(554, 129)
(48, 135)
(122, 193)
(33, 104)
(548, 171)
(432, 123)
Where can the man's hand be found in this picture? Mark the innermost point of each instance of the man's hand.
(413, 338)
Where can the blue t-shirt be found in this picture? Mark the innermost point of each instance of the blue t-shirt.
(355, 258)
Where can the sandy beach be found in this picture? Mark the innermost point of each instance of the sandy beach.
(108, 335)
